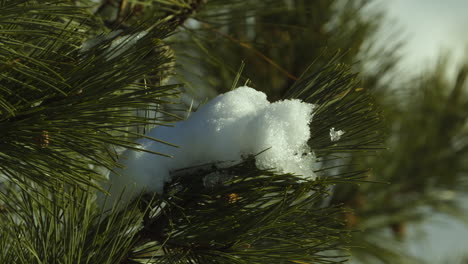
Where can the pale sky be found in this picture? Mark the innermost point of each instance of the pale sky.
(430, 26)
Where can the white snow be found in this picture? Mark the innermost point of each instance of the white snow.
(238, 123)
(335, 135)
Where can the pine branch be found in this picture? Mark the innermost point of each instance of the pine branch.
(342, 104)
(64, 105)
(249, 213)
(63, 226)
(256, 217)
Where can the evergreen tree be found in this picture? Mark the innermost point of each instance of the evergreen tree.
(84, 82)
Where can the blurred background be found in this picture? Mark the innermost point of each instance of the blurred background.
(433, 29)
(430, 28)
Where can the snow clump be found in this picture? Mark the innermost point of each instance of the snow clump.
(238, 123)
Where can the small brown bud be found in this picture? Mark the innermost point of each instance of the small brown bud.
(43, 140)
(232, 198)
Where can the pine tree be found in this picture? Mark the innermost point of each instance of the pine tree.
(81, 81)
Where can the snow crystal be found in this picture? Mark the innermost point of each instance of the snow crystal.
(238, 123)
(335, 135)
